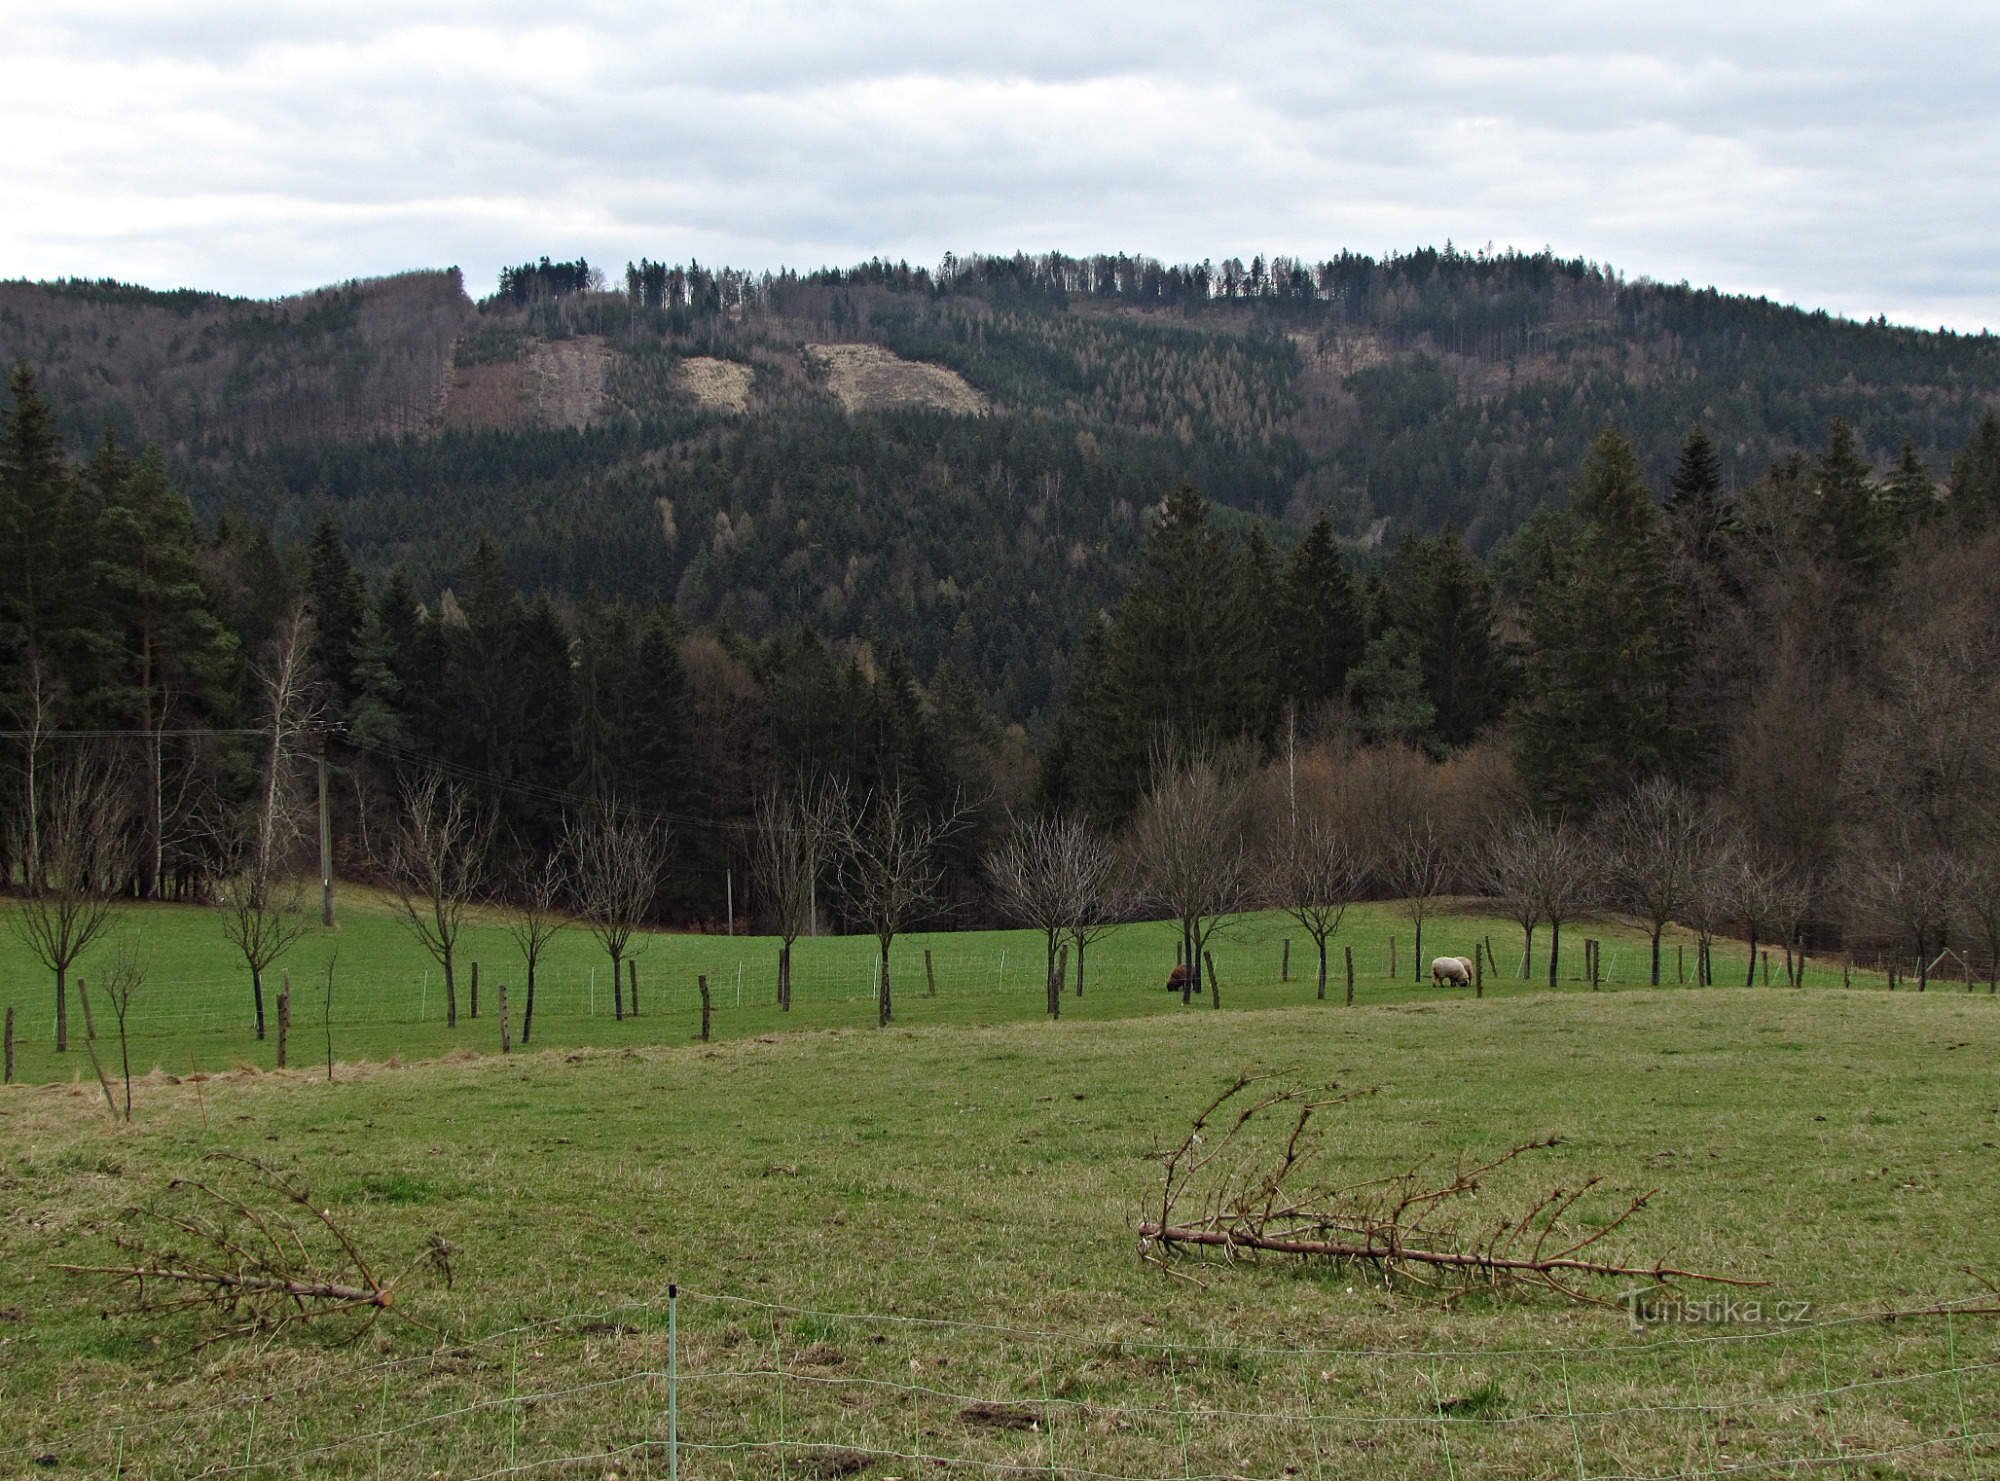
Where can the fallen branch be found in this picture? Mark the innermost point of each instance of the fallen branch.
(1246, 1189)
(250, 1246)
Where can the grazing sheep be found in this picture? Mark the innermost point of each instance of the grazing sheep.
(1456, 970)
(1177, 979)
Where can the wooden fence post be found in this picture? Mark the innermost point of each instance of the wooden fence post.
(506, 1038)
(1214, 991)
(632, 976)
(1767, 966)
(1790, 980)
(1680, 963)
(1596, 964)
(930, 975)
(1285, 969)
(10, 1049)
(1350, 976)
(83, 993)
(1478, 971)
(703, 981)
(1392, 958)
(475, 989)
(284, 1018)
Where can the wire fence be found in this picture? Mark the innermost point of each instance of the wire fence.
(713, 1385)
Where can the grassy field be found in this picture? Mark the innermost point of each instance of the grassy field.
(912, 1251)
(195, 1010)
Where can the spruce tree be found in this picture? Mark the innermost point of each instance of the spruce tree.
(1608, 650)
(1701, 512)
(1858, 533)
(1441, 597)
(336, 598)
(167, 659)
(1910, 496)
(1974, 487)
(1321, 633)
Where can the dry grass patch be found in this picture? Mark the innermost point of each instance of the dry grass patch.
(716, 385)
(869, 378)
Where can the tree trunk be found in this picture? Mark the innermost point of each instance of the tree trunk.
(62, 1011)
(1322, 969)
(450, 998)
(528, 1008)
(617, 987)
(1051, 989)
(785, 978)
(1417, 963)
(1079, 966)
(1188, 978)
(1555, 948)
(257, 995)
(883, 1006)
(1527, 951)
(1750, 977)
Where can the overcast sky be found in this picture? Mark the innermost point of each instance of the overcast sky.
(1834, 155)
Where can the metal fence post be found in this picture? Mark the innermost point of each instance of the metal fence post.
(673, 1384)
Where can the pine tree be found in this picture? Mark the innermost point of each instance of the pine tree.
(1608, 651)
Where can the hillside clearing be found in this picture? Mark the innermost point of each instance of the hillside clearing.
(870, 378)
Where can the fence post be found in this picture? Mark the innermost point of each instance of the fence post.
(673, 1383)
(284, 1018)
(1680, 963)
(1392, 958)
(1214, 990)
(1350, 975)
(1478, 971)
(1596, 963)
(1767, 966)
(632, 976)
(506, 1038)
(10, 1048)
(1802, 969)
(703, 981)
(1285, 970)
(475, 989)
(930, 973)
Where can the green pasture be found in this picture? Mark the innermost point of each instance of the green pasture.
(911, 1251)
(195, 1009)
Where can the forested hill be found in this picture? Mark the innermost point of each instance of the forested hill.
(955, 459)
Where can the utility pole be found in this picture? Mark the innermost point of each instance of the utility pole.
(325, 846)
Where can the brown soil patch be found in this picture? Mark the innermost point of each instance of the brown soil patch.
(869, 378)
(717, 385)
(558, 383)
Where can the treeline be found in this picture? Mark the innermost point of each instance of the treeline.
(1809, 658)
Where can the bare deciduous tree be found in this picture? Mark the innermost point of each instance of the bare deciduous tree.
(1913, 894)
(83, 838)
(1418, 868)
(887, 851)
(1054, 875)
(1315, 874)
(1657, 837)
(261, 923)
(121, 986)
(535, 917)
(617, 857)
(1567, 877)
(1509, 871)
(1769, 899)
(1711, 897)
(436, 866)
(1192, 856)
(790, 855)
